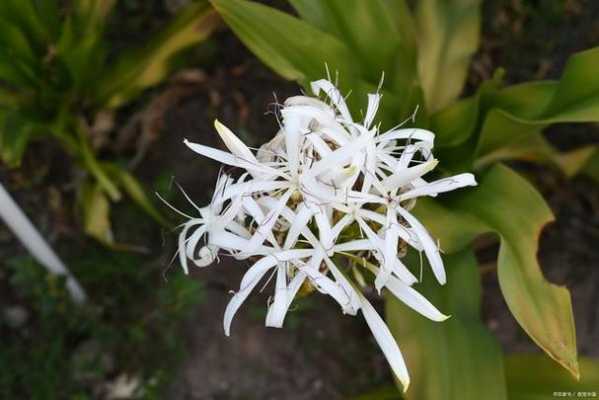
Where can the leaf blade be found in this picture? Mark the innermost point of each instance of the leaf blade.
(542, 309)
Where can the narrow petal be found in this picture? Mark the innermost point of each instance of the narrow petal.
(373, 106)
(429, 246)
(403, 177)
(414, 300)
(248, 282)
(408, 133)
(440, 186)
(303, 216)
(277, 310)
(333, 94)
(235, 146)
(229, 159)
(386, 342)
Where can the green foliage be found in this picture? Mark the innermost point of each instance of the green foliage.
(56, 76)
(462, 343)
(425, 53)
(542, 309)
(68, 351)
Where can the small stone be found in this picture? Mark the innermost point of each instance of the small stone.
(15, 316)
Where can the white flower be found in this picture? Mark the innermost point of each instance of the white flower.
(325, 192)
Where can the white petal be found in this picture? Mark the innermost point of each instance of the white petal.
(192, 241)
(230, 159)
(440, 186)
(373, 106)
(355, 245)
(341, 155)
(299, 223)
(235, 146)
(403, 177)
(248, 282)
(408, 133)
(277, 310)
(429, 246)
(414, 300)
(387, 343)
(324, 227)
(293, 129)
(354, 302)
(333, 94)
(265, 227)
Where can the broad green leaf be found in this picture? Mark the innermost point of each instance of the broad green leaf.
(358, 24)
(15, 42)
(534, 377)
(291, 47)
(457, 123)
(96, 213)
(457, 358)
(25, 14)
(525, 110)
(506, 204)
(577, 96)
(135, 190)
(142, 69)
(15, 133)
(448, 36)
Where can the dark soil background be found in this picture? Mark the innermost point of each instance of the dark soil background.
(322, 354)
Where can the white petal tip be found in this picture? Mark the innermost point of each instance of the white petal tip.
(405, 385)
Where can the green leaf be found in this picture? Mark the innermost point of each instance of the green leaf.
(135, 190)
(96, 213)
(141, 69)
(524, 110)
(534, 377)
(25, 14)
(576, 98)
(506, 204)
(457, 358)
(358, 24)
(291, 47)
(90, 162)
(15, 42)
(15, 134)
(448, 36)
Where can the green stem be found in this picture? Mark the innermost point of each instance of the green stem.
(91, 163)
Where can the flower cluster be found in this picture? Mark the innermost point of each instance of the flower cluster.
(326, 201)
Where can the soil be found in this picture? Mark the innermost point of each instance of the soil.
(322, 354)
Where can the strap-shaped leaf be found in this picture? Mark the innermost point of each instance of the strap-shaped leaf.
(534, 377)
(15, 134)
(135, 190)
(95, 208)
(144, 68)
(291, 47)
(456, 123)
(457, 358)
(525, 110)
(509, 206)
(448, 35)
(359, 25)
